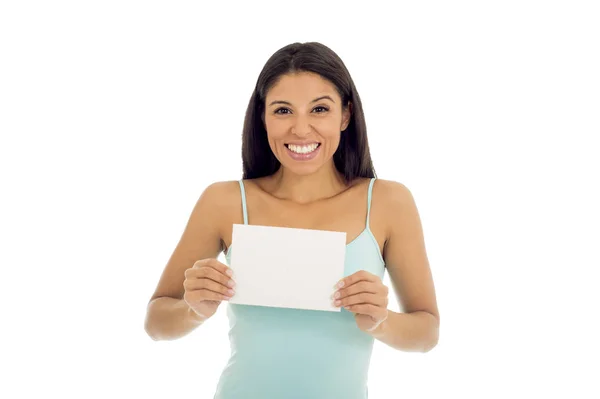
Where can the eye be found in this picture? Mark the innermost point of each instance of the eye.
(325, 109)
(280, 109)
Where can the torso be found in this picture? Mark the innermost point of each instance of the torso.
(346, 212)
(330, 355)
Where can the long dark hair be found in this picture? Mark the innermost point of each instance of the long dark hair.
(352, 158)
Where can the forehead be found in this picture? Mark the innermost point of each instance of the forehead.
(301, 85)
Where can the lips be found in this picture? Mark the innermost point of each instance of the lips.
(304, 148)
(304, 152)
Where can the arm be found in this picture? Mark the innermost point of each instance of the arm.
(417, 328)
(410, 332)
(168, 316)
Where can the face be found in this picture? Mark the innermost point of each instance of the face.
(304, 119)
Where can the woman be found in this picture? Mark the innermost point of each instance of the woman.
(306, 164)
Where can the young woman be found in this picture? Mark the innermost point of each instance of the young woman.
(306, 164)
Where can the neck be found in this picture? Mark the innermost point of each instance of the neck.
(325, 183)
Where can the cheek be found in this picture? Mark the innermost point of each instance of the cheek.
(329, 128)
(331, 133)
(333, 143)
(276, 130)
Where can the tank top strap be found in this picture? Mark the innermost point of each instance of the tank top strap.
(369, 196)
(244, 208)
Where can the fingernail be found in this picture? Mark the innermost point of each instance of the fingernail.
(337, 303)
(340, 284)
(337, 295)
(229, 272)
(230, 292)
(231, 283)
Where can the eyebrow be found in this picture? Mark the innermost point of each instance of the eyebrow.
(313, 101)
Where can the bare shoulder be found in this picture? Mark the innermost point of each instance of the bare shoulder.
(392, 193)
(392, 202)
(225, 189)
(216, 207)
(222, 200)
(221, 194)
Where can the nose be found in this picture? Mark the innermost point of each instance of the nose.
(301, 127)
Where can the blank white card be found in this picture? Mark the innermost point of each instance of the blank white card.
(286, 267)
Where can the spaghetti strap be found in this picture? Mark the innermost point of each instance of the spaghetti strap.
(369, 195)
(244, 209)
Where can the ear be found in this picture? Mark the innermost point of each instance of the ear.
(346, 114)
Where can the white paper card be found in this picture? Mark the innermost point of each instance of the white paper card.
(286, 267)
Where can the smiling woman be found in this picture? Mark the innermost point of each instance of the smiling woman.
(306, 164)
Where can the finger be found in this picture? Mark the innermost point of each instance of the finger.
(361, 286)
(203, 295)
(356, 277)
(210, 273)
(363, 298)
(207, 272)
(366, 309)
(215, 264)
(206, 284)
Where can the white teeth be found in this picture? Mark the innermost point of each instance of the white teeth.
(304, 149)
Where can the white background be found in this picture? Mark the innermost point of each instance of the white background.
(115, 115)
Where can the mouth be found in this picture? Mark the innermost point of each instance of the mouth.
(303, 149)
(303, 152)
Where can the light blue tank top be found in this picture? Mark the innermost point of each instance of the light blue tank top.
(283, 353)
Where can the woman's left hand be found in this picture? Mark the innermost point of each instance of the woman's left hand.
(365, 295)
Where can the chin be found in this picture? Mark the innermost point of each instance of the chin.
(301, 170)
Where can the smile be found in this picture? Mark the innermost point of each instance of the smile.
(304, 152)
(303, 149)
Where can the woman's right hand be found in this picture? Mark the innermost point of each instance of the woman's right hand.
(206, 284)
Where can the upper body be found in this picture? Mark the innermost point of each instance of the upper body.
(307, 165)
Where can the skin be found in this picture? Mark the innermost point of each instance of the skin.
(305, 194)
